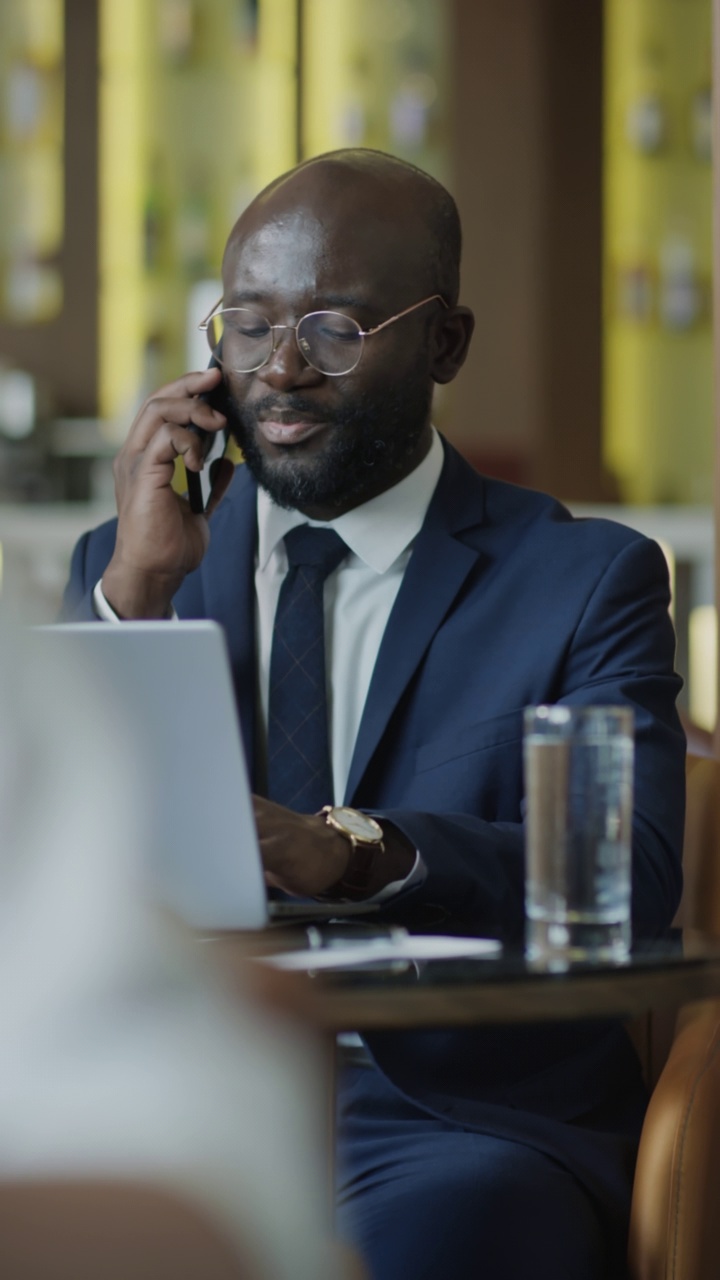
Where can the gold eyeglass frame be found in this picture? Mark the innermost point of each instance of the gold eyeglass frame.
(362, 333)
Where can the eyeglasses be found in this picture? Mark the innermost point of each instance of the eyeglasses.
(243, 341)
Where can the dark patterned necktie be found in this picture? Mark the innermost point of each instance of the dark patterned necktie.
(299, 774)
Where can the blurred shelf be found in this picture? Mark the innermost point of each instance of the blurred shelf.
(36, 543)
(687, 529)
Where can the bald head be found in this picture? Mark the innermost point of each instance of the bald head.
(352, 254)
(368, 197)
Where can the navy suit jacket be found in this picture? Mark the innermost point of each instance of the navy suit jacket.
(507, 600)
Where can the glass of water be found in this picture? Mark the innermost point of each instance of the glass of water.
(579, 797)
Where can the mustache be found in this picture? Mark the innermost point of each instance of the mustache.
(294, 405)
(287, 405)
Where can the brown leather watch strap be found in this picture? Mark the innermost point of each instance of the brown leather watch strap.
(356, 878)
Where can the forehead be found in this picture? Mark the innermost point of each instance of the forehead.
(307, 250)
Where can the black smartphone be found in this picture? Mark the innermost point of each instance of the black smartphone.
(217, 399)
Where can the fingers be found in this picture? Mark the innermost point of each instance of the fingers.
(177, 403)
(161, 412)
(155, 464)
(159, 540)
(160, 434)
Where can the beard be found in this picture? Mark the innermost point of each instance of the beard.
(370, 445)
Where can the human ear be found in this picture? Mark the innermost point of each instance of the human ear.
(450, 343)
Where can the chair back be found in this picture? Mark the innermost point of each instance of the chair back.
(675, 1216)
(700, 906)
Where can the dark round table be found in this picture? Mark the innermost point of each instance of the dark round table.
(502, 989)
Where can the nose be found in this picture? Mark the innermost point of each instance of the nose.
(287, 366)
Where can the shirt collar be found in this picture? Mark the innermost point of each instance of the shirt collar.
(377, 531)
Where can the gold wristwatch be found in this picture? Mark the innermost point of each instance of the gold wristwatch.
(366, 841)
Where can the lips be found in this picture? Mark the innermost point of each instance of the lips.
(276, 431)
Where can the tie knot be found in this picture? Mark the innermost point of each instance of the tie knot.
(323, 548)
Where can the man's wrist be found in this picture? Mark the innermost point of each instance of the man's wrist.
(387, 858)
(140, 597)
(105, 611)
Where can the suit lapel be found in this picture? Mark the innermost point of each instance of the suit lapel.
(438, 567)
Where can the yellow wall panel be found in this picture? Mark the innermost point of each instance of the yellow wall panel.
(658, 250)
(274, 120)
(122, 114)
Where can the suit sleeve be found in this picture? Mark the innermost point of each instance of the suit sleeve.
(90, 559)
(621, 652)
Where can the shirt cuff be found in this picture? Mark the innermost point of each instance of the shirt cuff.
(416, 876)
(105, 611)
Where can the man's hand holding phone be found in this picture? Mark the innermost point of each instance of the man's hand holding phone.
(160, 539)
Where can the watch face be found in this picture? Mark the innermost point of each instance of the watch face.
(358, 824)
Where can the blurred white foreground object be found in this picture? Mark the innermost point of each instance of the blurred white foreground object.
(123, 1057)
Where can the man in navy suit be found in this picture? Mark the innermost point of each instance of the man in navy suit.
(459, 600)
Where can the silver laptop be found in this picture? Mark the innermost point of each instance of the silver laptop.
(174, 684)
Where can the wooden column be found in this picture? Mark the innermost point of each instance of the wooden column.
(63, 352)
(528, 179)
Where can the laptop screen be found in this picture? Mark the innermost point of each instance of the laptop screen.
(172, 682)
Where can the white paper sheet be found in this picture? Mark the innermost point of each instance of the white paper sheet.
(385, 950)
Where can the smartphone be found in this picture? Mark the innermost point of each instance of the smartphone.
(217, 399)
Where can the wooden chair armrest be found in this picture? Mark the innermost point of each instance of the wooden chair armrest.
(675, 1217)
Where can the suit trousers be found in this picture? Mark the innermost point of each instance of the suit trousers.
(425, 1198)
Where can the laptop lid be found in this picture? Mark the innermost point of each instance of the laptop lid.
(172, 681)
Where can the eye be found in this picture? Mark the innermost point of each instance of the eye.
(252, 330)
(337, 334)
(247, 325)
(336, 328)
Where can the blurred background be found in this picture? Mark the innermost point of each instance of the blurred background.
(575, 137)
